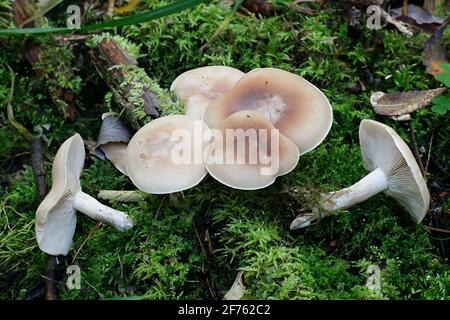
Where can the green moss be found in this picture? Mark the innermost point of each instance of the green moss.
(132, 48)
(160, 257)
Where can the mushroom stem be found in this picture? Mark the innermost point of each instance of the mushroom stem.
(97, 211)
(370, 185)
(121, 195)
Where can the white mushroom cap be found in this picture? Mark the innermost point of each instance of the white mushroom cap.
(153, 159)
(296, 107)
(55, 216)
(258, 165)
(198, 87)
(383, 148)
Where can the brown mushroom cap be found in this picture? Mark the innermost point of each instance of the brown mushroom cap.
(149, 160)
(55, 217)
(383, 148)
(296, 107)
(198, 87)
(245, 172)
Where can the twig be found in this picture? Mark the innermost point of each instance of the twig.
(160, 206)
(223, 26)
(50, 279)
(437, 229)
(416, 149)
(121, 195)
(91, 233)
(209, 283)
(37, 163)
(429, 152)
(22, 130)
(405, 8)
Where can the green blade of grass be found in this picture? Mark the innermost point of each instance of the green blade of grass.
(135, 19)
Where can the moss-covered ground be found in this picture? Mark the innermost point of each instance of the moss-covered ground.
(161, 258)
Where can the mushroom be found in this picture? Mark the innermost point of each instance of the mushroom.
(55, 216)
(296, 107)
(249, 153)
(113, 140)
(393, 170)
(198, 87)
(166, 155)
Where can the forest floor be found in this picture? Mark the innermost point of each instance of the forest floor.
(193, 245)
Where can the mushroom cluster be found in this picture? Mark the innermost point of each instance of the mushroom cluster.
(271, 115)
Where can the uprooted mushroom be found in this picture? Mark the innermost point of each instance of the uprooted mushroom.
(393, 170)
(55, 216)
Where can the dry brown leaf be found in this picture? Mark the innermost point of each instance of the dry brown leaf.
(434, 54)
(418, 17)
(402, 103)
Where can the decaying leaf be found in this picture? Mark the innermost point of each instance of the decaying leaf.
(418, 17)
(236, 291)
(402, 103)
(113, 140)
(434, 54)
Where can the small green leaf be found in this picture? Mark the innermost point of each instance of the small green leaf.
(439, 109)
(441, 104)
(441, 100)
(444, 77)
(446, 66)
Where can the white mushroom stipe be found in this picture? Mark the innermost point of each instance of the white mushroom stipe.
(97, 211)
(372, 184)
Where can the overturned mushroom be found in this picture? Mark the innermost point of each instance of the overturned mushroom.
(198, 87)
(166, 155)
(55, 216)
(249, 153)
(296, 107)
(113, 140)
(393, 170)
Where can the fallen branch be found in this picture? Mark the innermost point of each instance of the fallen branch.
(117, 66)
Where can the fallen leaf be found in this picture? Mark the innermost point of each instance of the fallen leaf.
(402, 103)
(434, 54)
(418, 17)
(236, 291)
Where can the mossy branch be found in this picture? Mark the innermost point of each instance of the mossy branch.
(137, 96)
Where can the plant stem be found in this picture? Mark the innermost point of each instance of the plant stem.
(121, 195)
